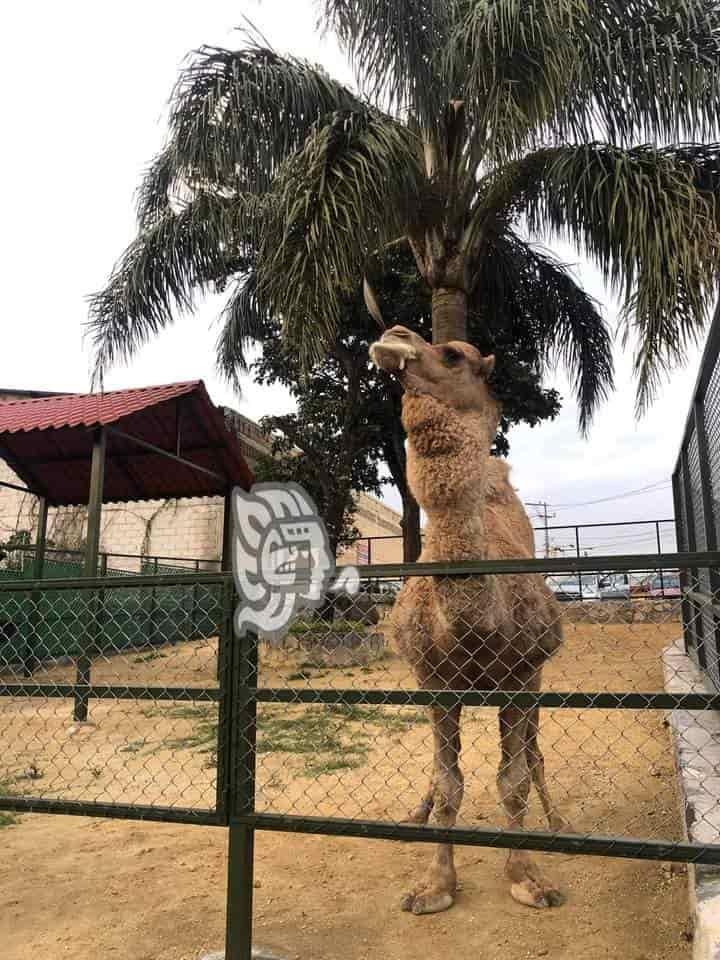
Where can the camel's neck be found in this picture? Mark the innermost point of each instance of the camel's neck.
(448, 459)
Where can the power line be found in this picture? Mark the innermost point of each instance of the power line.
(651, 487)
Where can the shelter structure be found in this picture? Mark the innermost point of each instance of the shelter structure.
(126, 445)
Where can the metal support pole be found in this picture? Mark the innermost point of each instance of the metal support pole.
(659, 550)
(241, 736)
(695, 618)
(90, 569)
(577, 553)
(241, 851)
(31, 660)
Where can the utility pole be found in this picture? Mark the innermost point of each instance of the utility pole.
(545, 516)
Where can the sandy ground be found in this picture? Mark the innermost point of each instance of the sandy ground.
(91, 888)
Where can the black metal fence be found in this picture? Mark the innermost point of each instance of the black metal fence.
(561, 540)
(329, 733)
(696, 488)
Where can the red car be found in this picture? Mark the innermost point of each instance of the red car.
(666, 586)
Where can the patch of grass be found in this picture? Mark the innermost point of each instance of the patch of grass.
(392, 720)
(318, 628)
(7, 819)
(134, 746)
(322, 739)
(202, 737)
(300, 675)
(154, 655)
(349, 761)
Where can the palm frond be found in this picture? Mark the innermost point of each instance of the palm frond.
(237, 114)
(518, 287)
(518, 61)
(650, 68)
(583, 69)
(355, 185)
(163, 269)
(153, 195)
(638, 215)
(394, 47)
(244, 324)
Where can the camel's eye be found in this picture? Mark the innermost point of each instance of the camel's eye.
(451, 356)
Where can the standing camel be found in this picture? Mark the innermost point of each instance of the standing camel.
(484, 632)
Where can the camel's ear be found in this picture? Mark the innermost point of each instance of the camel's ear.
(487, 365)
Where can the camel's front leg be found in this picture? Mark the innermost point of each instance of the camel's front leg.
(437, 892)
(528, 885)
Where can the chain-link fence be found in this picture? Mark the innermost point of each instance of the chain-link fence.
(347, 700)
(135, 657)
(353, 722)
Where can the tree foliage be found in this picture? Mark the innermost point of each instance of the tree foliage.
(474, 123)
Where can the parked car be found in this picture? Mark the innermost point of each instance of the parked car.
(666, 586)
(590, 590)
(566, 588)
(614, 587)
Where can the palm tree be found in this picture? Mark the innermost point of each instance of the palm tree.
(479, 126)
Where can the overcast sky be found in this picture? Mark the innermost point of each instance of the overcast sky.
(85, 86)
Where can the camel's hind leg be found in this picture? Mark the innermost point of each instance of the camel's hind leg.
(528, 886)
(536, 762)
(437, 892)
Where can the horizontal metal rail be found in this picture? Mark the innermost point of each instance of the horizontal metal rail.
(592, 845)
(116, 811)
(601, 700)
(65, 691)
(612, 564)
(704, 599)
(111, 583)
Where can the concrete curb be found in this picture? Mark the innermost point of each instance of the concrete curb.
(696, 743)
(258, 953)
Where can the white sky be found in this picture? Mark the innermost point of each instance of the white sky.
(84, 92)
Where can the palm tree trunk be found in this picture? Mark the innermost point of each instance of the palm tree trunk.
(449, 314)
(412, 541)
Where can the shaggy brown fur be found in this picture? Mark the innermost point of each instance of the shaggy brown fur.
(479, 632)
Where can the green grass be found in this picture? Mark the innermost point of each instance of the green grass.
(7, 819)
(320, 628)
(328, 739)
(149, 656)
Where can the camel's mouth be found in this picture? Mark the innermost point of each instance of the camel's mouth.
(392, 353)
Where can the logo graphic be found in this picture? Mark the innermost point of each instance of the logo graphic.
(281, 557)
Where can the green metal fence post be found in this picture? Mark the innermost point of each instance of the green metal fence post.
(194, 611)
(710, 528)
(153, 608)
(92, 550)
(31, 660)
(238, 943)
(659, 549)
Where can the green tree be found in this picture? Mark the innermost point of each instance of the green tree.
(477, 123)
(332, 443)
(348, 416)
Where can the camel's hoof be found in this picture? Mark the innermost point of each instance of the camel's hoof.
(537, 895)
(559, 824)
(420, 903)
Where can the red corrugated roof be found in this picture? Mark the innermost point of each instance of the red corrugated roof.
(85, 409)
(48, 443)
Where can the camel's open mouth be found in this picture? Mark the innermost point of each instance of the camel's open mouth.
(392, 353)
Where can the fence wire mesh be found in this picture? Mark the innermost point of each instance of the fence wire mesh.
(362, 707)
(110, 694)
(599, 761)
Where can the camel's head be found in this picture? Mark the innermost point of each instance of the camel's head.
(455, 373)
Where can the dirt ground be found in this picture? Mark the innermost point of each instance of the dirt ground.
(87, 889)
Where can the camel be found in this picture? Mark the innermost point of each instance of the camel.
(469, 633)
